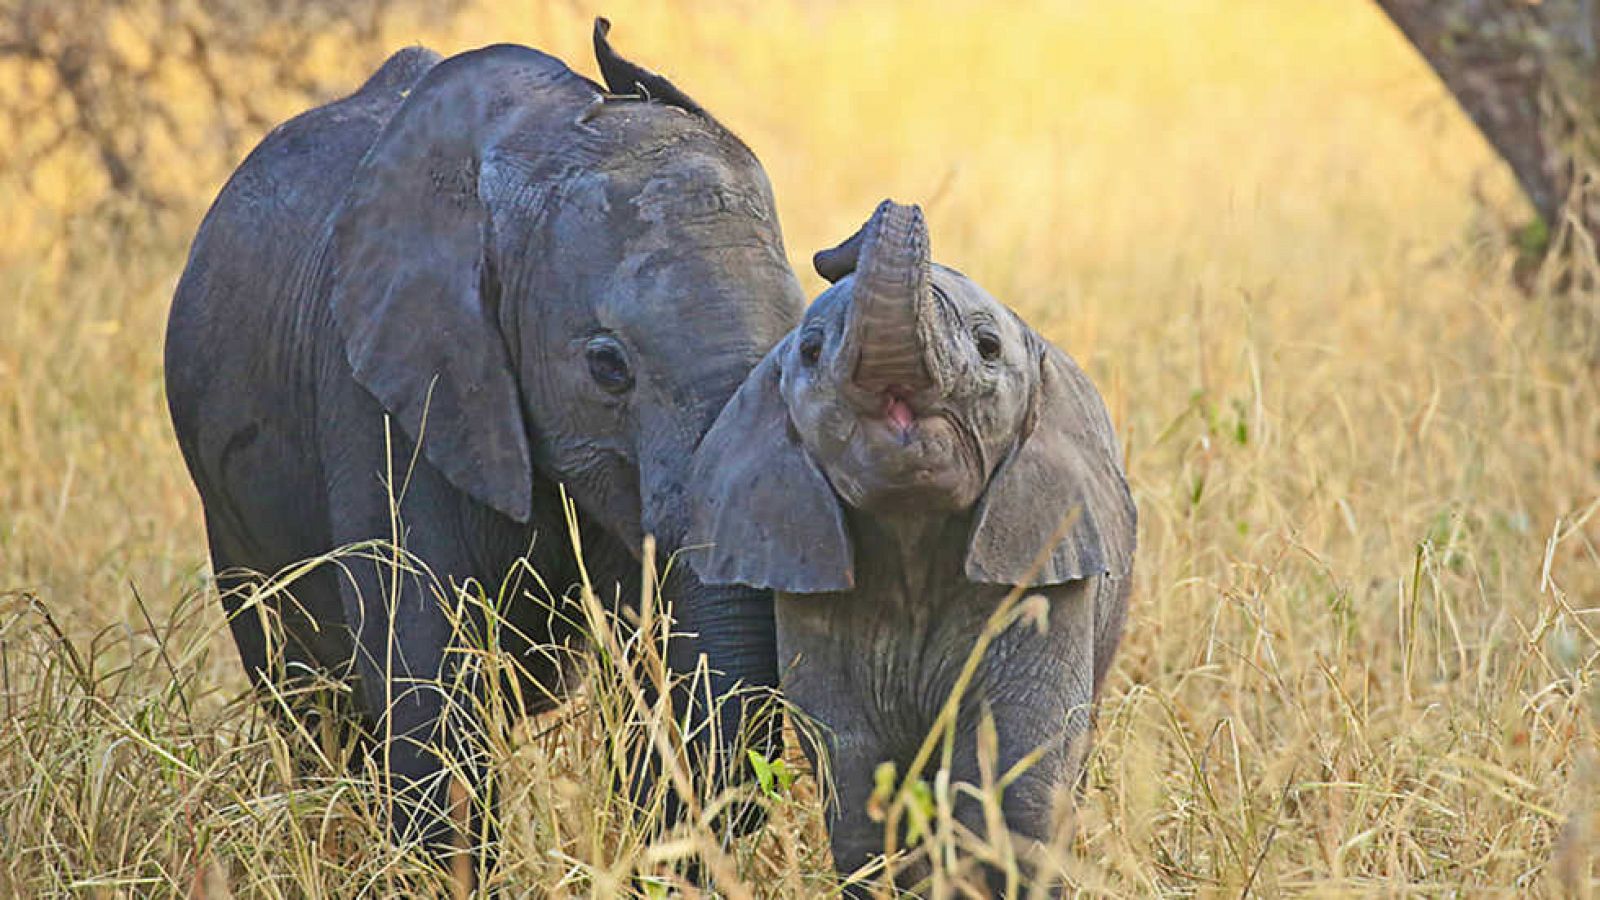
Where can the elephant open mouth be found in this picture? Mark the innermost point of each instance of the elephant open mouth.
(911, 460)
(897, 409)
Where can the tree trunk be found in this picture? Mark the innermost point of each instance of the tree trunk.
(1527, 72)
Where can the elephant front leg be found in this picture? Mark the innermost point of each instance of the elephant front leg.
(421, 710)
(1034, 698)
(1041, 746)
(407, 688)
(846, 777)
(420, 698)
(836, 735)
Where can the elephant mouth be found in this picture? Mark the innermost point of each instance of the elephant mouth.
(899, 412)
(906, 460)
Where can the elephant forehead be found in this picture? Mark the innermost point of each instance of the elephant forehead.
(698, 194)
(962, 292)
(682, 173)
(967, 298)
(712, 266)
(700, 324)
(729, 264)
(832, 304)
(644, 212)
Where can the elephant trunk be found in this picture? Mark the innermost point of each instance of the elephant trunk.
(723, 652)
(723, 657)
(733, 629)
(892, 302)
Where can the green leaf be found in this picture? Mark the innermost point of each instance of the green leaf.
(920, 806)
(763, 771)
(785, 775)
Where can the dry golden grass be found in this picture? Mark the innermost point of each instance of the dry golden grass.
(1362, 653)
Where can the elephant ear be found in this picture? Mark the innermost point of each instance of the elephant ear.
(1065, 464)
(412, 282)
(835, 263)
(623, 76)
(765, 515)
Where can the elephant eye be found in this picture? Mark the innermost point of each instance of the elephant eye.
(608, 364)
(810, 348)
(988, 343)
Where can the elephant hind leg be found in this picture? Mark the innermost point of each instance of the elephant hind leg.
(287, 653)
(253, 623)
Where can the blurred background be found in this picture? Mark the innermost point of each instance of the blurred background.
(1363, 433)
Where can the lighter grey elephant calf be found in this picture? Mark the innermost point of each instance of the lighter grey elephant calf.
(893, 468)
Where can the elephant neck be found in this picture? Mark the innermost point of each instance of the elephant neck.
(909, 556)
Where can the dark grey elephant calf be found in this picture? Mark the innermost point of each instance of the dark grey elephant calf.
(893, 469)
(544, 283)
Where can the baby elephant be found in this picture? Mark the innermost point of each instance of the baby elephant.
(893, 469)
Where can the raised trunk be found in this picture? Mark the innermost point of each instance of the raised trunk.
(891, 301)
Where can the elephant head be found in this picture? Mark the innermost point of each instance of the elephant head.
(549, 282)
(908, 390)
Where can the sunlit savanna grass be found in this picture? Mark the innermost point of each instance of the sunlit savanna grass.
(1362, 650)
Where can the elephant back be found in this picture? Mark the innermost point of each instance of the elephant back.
(251, 254)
